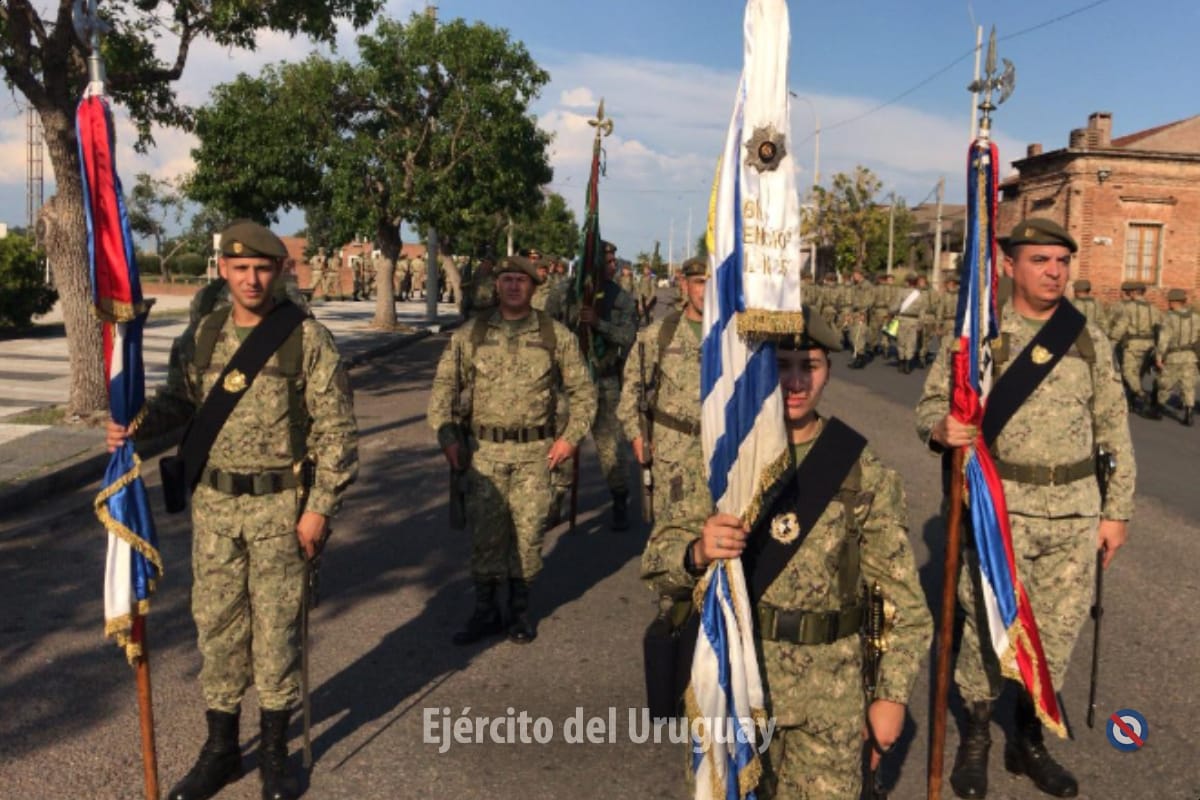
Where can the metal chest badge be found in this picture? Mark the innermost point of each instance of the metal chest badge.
(785, 528)
(1040, 355)
(234, 382)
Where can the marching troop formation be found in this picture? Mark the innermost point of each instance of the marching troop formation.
(515, 394)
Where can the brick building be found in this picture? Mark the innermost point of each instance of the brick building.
(1132, 203)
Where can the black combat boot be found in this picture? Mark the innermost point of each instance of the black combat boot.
(970, 777)
(905, 366)
(1026, 754)
(485, 620)
(219, 763)
(277, 784)
(1153, 409)
(859, 362)
(620, 511)
(520, 627)
(1187, 416)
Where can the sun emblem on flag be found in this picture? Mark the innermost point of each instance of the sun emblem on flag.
(766, 149)
(785, 528)
(234, 382)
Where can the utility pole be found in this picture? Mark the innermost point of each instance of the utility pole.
(891, 233)
(937, 230)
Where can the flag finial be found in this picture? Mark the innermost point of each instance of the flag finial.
(602, 124)
(992, 82)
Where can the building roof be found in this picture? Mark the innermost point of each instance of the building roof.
(1181, 136)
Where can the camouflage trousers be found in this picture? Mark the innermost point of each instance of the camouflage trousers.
(507, 506)
(1181, 375)
(876, 318)
(1056, 560)
(821, 763)
(859, 340)
(331, 286)
(607, 433)
(246, 595)
(908, 338)
(829, 314)
(1133, 359)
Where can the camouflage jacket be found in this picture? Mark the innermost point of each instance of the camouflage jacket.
(808, 683)
(511, 382)
(862, 296)
(1178, 336)
(646, 286)
(618, 329)
(1092, 310)
(1138, 320)
(1077, 408)
(919, 307)
(255, 437)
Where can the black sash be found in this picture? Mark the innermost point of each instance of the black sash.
(814, 485)
(266, 338)
(1026, 373)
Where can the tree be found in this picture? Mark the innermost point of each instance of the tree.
(23, 290)
(702, 245)
(44, 61)
(656, 260)
(154, 204)
(550, 227)
(851, 221)
(429, 127)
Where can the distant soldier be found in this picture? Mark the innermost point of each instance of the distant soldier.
(319, 264)
(360, 266)
(826, 299)
(419, 270)
(453, 280)
(945, 313)
(1178, 340)
(879, 314)
(402, 278)
(613, 320)
(501, 362)
(266, 484)
(862, 297)
(1087, 305)
(544, 289)
(1135, 331)
(910, 311)
(625, 280)
(647, 295)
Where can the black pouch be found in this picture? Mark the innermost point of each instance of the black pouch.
(660, 650)
(174, 483)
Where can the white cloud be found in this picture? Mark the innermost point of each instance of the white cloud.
(581, 97)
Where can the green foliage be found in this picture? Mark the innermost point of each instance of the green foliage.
(702, 245)
(657, 265)
(188, 264)
(148, 263)
(550, 227)
(23, 292)
(852, 221)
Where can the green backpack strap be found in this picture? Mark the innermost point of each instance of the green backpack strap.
(850, 566)
(206, 336)
(291, 366)
(666, 333)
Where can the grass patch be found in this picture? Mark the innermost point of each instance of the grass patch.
(48, 415)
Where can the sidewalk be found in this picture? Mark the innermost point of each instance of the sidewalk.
(38, 461)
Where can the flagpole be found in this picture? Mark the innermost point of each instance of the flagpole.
(992, 82)
(146, 710)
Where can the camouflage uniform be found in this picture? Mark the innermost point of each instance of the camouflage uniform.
(1176, 346)
(814, 692)
(511, 382)
(402, 279)
(625, 281)
(826, 298)
(862, 297)
(1092, 311)
(616, 332)
(677, 464)
(453, 278)
(419, 270)
(320, 265)
(646, 296)
(1135, 330)
(247, 566)
(911, 317)
(481, 291)
(1077, 408)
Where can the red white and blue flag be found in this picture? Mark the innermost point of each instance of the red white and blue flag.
(133, 564)
(1011, 624)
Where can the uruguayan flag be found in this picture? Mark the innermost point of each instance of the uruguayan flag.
(753, 238)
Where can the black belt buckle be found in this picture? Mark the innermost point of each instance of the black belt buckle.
(788, 625)
(241, 484)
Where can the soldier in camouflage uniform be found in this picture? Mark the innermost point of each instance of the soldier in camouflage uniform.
(319, 264)
(647, 296)
(481, 290)
(419, 270)
(813, 676)
(625, 279)
(911, 310)
(1135, 330)
(672, 376)
(945, 309)
(1178, 339)
(862, 297)
(1086, 304)
(513, 361)
(1045, 457)
(613, 320)
(826, 298)
(249, 547)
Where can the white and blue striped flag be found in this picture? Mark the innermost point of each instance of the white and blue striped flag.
(754, 292)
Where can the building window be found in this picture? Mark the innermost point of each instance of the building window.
(1143, 252)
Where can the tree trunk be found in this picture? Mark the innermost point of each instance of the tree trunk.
(388, 238)
(66, 249)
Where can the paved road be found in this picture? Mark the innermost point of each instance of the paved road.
(395, 588)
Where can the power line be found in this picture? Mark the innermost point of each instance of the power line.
(935, 75)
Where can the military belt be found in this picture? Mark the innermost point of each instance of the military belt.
(486, 433)
(808, 627)
(686, 427)
(1037, 475)
(251, 483)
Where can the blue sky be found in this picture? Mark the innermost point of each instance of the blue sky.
(667, 69)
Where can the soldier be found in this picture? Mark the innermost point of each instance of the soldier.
(510, 362)
(248, 549)
(613, 320)
(910, 311)
(880, 315)
(826, 298)
(625, 279)
(1175, 354)
(945, 312)
(810, 612)
(419, 270)
(319, 264)
(333, 279)
(668, 360)
(1135, 330)
(862, 297)
(402, 278)
(453, 280)
(1045, 457)
(647, 296)
(1087, 305)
